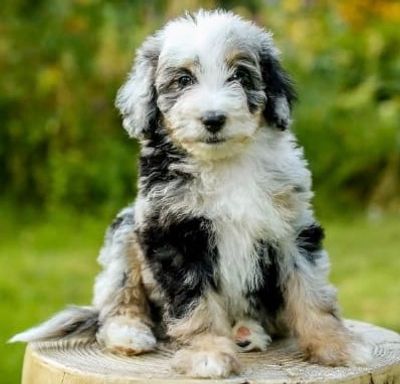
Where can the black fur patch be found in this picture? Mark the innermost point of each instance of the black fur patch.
(269, 295)
(252, 84)
(277, 85)
(155, 167)
(182, 257)
(309, 240)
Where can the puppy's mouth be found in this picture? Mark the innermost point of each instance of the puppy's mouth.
(211, 140)
(214, 140)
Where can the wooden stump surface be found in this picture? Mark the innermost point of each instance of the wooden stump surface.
(80, 362)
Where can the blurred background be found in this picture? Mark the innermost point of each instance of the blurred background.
(67, 166)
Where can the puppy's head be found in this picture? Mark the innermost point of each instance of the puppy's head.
(211, 80)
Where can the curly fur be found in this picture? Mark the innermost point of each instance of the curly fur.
(221, 241)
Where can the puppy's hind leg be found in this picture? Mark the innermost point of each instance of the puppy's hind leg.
(119, 317)
(125, 323)
(311, 307)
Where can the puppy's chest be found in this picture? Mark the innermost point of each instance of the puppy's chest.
(244, 217)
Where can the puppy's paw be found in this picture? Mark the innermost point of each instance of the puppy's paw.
(126, 336)
(205, 364)
(207, 360)
(249, 335)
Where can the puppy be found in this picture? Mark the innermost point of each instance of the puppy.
(221, 251)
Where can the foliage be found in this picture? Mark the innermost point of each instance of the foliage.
(62, 62)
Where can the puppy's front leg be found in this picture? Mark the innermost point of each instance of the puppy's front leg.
(311, 306)
(207, 356)
(208, 351)
(182, 256)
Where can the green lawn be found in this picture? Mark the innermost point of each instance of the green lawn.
(46, 264)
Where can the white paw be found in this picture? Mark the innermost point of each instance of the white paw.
(205, 364)
(249, 335)
(126, 336)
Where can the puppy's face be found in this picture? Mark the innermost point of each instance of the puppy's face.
(210, 89)
(213, 80)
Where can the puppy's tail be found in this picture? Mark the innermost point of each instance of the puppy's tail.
(71, 322)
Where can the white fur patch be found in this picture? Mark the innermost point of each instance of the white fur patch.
(203, 364)
(282, 109)
(209, 356)
(123, 333)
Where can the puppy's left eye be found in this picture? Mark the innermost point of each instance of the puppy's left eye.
(185, 80)
(242, 76)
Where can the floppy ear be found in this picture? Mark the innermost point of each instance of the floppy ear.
(136, 99)
(279, 90)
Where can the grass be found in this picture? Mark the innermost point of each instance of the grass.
(365, 260)
(47, 263)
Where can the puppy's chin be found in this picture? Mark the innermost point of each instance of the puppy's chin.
(232, 141)
(217, 151)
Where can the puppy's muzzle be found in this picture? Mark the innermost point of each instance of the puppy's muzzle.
(213, 121)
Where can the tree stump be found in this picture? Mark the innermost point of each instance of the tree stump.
(80, 362)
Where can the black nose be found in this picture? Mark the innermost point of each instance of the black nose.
(213, 121)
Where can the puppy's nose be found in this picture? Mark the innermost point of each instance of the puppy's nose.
(213, 121)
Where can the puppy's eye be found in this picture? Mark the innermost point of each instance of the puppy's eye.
(241, 76)
(185, 80)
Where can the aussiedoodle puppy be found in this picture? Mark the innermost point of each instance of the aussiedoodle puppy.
(220, 251)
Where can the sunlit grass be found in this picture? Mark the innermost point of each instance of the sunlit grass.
(43, 267)
(365, 260)
(46, 264)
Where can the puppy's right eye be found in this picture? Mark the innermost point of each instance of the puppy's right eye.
(185, 80)
(242, 76)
